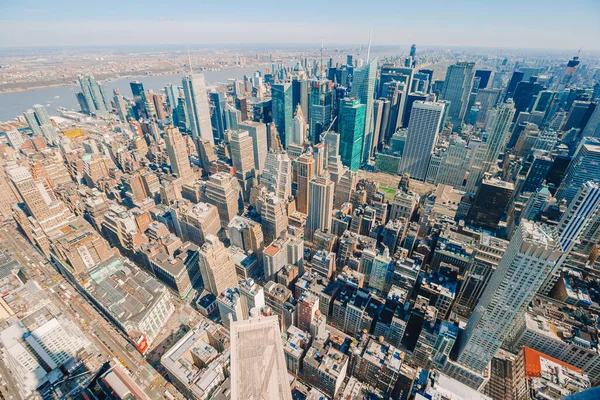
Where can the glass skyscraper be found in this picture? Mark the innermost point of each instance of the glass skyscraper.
(351, 127)
(283, 113)
(363, 87)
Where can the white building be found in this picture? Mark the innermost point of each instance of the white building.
(423, 128)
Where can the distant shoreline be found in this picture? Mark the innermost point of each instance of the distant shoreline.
(104, 79)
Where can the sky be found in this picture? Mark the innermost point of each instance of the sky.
(543, 24)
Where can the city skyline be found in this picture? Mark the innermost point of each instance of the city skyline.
(510, 25)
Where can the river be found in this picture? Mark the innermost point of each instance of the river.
(14, 103)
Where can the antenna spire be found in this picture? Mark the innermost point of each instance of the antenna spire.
(322, 66)
(369, 48)
(189, 59)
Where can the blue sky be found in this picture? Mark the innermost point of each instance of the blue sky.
(565, 24)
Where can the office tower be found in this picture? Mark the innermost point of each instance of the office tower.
(490, 203)
(300, 90)
(241, 103)
(305, 171)
(423, 129)
(196, 100)
(529, 258)
(578, 227)
(487, 99)
(195, 223)
(224, 192)
(258, 367)
(592, 128)
(274, 219)
(242, 158)
(247, 235)
(277, 174)
(283, 112)
(321, 109)
(157, 102)
(524, 94)
(176, 147)
(219, 105)
(351, 126)
(484, 77)
(139, 98)
(457, 87)
(216, 266)
(233, 118)
(320, 204)
(120, 105)
(584, 167)
(515, 78)
(172, 92)
(497, 137)
(379, 107)
(299, 127)
(363, 87)
(454, 164)
(258, 133)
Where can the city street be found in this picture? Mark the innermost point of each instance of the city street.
(107, 338)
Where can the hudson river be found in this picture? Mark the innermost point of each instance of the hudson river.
(14, 103)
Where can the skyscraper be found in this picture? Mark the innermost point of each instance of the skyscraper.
(363, 87)
(299, 127)
(177, 151)
(32, 122)
(196, 100)
(277, 174)
(321, 107)
(216, 266)
(529, 258)
(305, 170)
(457, 87)
(351, 125)
(242, 157)
(258, 367)
(218, 115)
(258, 133)
(584, 167)
(283, 112)
(423, 129)
(320, 204)
(498, 134)
(139, 98)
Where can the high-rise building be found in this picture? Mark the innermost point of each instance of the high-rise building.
(351, 126)
(530, 256)
(363, 87)
(219, 105)
(224, 192)
(258, 367)
(457, 88)
(277, 174)
(305, 171)
(321, 109)
(139, 98)
(32, 122)
(274, 217)
(423, 129)
(299, 127)
(283, 112)
(584, 167)
(177, 150)
(242, 158)
(490, 203)
(320, 204)
(487, 99)
(216, 266)
(196, 100)
(258, 133)
(497, 135)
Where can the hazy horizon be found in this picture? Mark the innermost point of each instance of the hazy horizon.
(532, 24)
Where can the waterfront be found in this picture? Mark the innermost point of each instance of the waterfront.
(14, 103)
